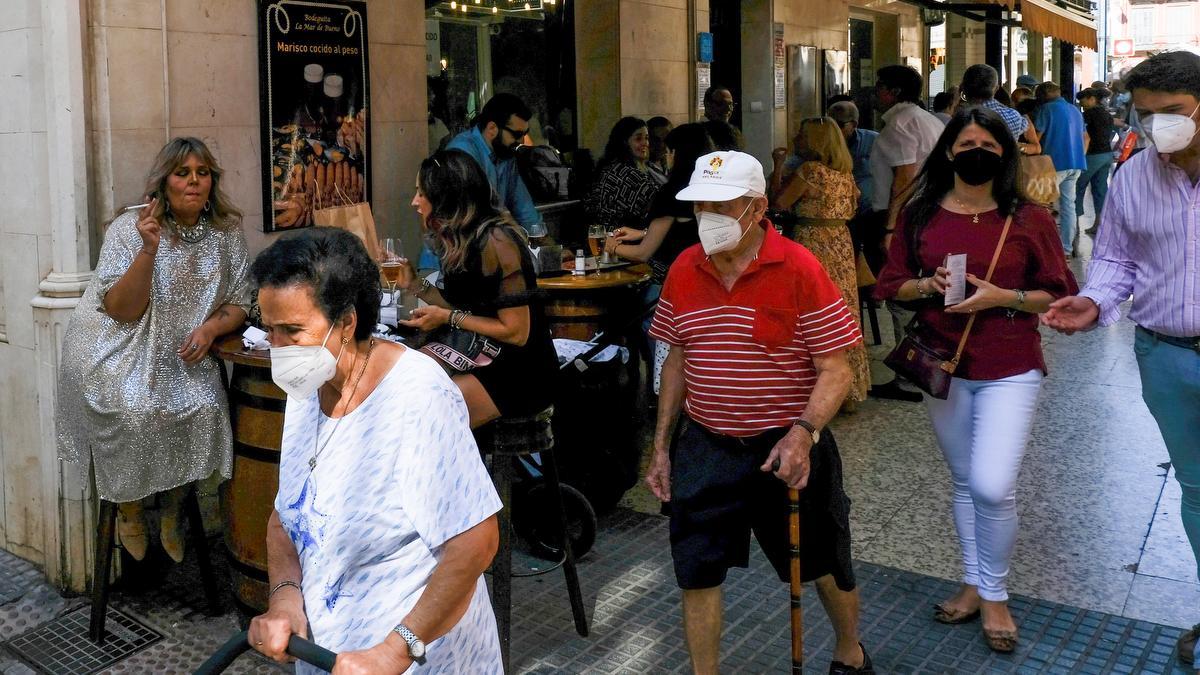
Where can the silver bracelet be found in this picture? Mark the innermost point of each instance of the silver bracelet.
(286, 582)
(922, 293)
(456, 318)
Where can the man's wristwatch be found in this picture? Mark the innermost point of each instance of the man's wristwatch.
(812, 430)
(416, 648)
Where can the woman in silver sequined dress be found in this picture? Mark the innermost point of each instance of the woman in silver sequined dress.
(138, 396)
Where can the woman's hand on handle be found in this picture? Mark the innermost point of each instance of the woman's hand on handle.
(269, 633)
(382, 659)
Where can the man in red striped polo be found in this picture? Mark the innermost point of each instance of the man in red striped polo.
(758, 336)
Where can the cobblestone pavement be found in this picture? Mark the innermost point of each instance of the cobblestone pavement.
(634, 610)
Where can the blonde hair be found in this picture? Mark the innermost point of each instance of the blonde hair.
(224, 214)
(824, 139)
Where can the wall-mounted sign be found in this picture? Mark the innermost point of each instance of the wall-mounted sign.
(703, 82)
(779, 60)
(315, 94)
(433, 47)
(1122, 47)
(704, 47)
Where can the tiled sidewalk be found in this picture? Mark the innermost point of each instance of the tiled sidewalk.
(629, 590)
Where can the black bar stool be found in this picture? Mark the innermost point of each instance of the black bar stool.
(105, 534)
(506, 439)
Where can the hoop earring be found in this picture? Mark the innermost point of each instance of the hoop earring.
(207, 206)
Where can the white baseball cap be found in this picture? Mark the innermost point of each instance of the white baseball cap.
(723, 176)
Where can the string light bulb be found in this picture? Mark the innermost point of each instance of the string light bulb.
(495, 9)
(453, 4)
(528, 7)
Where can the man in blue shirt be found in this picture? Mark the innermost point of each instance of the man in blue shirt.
(1062, 134)
(499, 128)
(859, 141)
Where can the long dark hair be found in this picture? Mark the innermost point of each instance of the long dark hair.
(464, 204)
(937, 176)
(617, 148)
(689, 142)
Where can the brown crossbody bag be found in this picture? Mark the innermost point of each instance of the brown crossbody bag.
(925, 366)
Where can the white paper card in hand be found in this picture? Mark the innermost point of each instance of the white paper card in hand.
(956, 292)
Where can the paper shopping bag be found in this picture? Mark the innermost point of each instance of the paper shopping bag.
(354, 218)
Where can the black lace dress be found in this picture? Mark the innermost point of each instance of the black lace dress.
(499, 273)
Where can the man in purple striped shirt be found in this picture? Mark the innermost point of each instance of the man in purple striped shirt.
(1149, 246)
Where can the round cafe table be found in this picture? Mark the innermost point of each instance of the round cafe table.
(577, 307)
(256, 414)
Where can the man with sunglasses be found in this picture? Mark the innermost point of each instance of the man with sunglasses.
(499, 128)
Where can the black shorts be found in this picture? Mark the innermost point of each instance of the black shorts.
(719, 496)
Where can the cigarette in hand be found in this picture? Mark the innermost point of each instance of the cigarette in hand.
(135, 207)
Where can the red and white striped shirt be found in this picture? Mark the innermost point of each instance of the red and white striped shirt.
(748, 352)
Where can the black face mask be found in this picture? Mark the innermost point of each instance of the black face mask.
(977, 166)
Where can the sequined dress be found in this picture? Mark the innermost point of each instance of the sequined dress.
(126, 401)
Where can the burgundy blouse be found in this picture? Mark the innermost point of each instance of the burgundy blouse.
(1002, 343)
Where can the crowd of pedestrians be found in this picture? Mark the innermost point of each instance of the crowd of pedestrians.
(385, 518)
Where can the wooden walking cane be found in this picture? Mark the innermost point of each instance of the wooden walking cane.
(797, 618)
(794, 577)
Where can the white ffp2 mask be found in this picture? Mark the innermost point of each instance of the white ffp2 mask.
(300, 370)
(720, 233)
(1170, 132)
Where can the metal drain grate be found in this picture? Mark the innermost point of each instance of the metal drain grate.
(62, 647)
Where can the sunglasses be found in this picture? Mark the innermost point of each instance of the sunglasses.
(517, 135)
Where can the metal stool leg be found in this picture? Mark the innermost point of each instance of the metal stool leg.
(871, 310)
(550, 468)
(502, 472)
(106, 526)
(212, 597)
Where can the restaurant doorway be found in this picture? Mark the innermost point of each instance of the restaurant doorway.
(862, 69)
(477, 50)
(726, 26)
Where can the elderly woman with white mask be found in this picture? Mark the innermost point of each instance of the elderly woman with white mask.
(385, 517)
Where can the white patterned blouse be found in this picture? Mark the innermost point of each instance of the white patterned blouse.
(400, 476)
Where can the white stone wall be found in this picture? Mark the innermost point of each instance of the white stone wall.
(25, 259)
(91, 90)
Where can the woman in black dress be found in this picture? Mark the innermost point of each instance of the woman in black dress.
(488, 286)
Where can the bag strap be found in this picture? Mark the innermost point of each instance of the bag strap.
(952, 364)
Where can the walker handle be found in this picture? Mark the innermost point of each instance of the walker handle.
(239, 644)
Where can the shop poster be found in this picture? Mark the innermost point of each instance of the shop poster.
(315, 96)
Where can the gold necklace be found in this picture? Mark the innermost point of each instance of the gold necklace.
(964, 207)
(312, 461)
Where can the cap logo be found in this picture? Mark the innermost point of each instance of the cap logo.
(715, 163)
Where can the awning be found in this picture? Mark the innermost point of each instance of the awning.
(1041, 16)
(1067, 25)
(1045, 16)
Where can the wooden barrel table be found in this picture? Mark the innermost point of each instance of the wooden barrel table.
(256, 413)
(577, 307)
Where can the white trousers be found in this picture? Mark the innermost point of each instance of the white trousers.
(983, 428)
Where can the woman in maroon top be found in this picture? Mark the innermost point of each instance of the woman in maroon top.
(963, 195)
